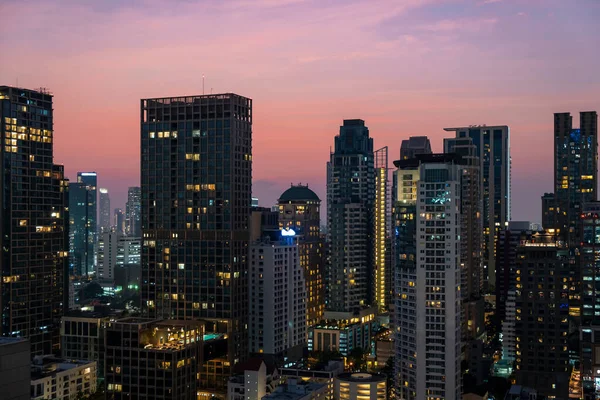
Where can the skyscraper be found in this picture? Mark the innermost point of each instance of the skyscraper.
(82, 234)
(299, 210)
(33, 221)
(350, 222)
(119, 221)
(493, 151)
(575, 171)
(428, 281)
(196, 194)
(381, 235)
(549, 214)
(104, 217)
(133, 212)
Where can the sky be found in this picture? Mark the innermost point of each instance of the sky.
(406, 67)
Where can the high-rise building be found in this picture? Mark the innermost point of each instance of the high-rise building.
(428, 281)
(575, 171)
(196, 193)
(34, 219)
(299, 210)
(168, 355)
(82, 233)
(542, 311)
(414, 145)
(119, 221)
(381, 234)
(104, 217)
(133, 212)
(350, 223)
(493, 151)
(277, 296)
(549, 214)
(116, 250)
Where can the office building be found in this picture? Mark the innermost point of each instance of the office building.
(196, 193)
(575, 171)
(60, 379)
(428, 306)
(360, 385)
(343, 331)
(104, 217)
(15, 368)
(542, 311)
(299, 210)
(277, 296)
(119, 221)
(82, 226)
(116, 250)
(152, 359)
(549, 215)
(350, 219)
(413, 146)
(133, 212)
(509, 344)
(493, 151)
(33, 221)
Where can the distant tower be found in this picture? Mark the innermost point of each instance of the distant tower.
(119, 221)
(82, 232)
(414, 145)
(104, 218)
(133, 212)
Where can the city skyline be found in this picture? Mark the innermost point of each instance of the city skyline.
(393, 78)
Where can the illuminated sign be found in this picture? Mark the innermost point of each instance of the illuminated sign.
(288, 232)
(87, 174)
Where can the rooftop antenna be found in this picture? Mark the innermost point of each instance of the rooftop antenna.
(210, 90)
(203, 84)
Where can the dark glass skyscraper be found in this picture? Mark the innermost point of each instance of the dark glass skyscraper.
(104, 217)
(133, 212)
(33, 221)
(575, 171)
(350, 219)
(493, 151)
(82, 211)
(196, 193)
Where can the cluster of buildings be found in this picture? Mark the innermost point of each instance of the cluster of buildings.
(419, 265)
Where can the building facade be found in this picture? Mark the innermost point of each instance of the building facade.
(493, 151)
(299, 210)
(151, 359)
(82, 224)
(104, 215)
(60, 379)
(133, 212)
(277, 296)
(34, 217)
(549, 214)
(350, 219)
(116, 250)
(349, 386)
(196, 193)
(119, 221)
(428, 307)
(413, 146)
(542, 310)
(15, 368)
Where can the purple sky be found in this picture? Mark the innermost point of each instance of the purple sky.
(407, 67)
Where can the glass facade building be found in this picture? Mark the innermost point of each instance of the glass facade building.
(83, 227)
(196, 194)
(133, 212)
(33, 221)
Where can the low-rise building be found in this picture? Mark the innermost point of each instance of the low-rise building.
(62, 379)
(343, 332)
(15, 365)
(349, 386)
(254, 379)
(297, 389)
(321, 374)
(518, 392)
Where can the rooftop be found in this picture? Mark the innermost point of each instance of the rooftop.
(298, 192)
(48, 365)
(361, 377)
(294, 389)
(11, 340)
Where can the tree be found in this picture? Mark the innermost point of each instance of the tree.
(357, 358)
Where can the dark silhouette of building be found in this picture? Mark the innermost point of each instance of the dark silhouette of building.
(33, 221)
(133, 212)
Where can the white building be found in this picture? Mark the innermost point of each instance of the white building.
(277, 298)
(254, 381)
(298, 389)
(60, 379)
(350, 386)
(104, 217)
(428, 306)
(115, 249)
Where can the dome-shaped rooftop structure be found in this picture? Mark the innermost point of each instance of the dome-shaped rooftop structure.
(299, 192)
